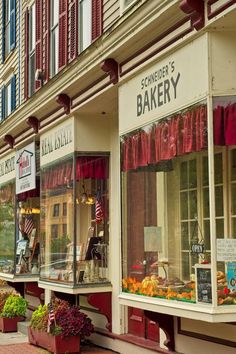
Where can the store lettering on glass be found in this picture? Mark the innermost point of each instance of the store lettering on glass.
(158, 89)
(7, 166)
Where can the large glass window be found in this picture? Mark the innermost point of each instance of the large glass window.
(165, 207)
(7, 227)
(54, 38)
(224, 115)
(74, 221)
(27, 232)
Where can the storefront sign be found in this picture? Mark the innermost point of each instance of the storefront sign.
(231, 275)
(167, 86)
(57, 142)
(226, 249)
(203, 284)
(7, 168)
(197, 248)
(25, 169)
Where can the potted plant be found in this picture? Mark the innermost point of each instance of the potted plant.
(13, 309)
(59, 327)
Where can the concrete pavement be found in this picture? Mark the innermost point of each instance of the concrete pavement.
(17, 343)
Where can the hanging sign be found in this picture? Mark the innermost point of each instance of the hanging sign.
(7, 168)
(25, 169)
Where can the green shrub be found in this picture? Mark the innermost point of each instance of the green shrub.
(39, 318)
(14, 306)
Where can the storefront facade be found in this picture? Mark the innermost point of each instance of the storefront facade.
(133, 207)
(176, 126)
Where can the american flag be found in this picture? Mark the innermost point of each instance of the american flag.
(29, 225)
(51, 316)
(99, 213)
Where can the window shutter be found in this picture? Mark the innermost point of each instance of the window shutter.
(12, 24)
(63, 33)
(38, 44)
(73, 35)
(26, 55)
(3, 102)
(97, 10)
(3, 31)
(46, 41)
(13, 93)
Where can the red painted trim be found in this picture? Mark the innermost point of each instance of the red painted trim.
(129, 338)
(110, 66)
(102, 301)
(212, 14)
(196, 10)
(164, 46)
(153, 42)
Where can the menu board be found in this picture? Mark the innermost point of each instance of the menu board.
(203, 283)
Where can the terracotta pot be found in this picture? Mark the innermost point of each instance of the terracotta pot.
(55, 344)
(10, 324)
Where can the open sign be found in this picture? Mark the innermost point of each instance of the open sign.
(197, 248)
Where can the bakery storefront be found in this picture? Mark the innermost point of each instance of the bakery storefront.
(178, 175)
(74, 212)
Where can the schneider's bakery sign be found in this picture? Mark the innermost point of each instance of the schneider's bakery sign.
(57, 142)
(166, 86)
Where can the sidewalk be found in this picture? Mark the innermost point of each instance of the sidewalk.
(17, 343)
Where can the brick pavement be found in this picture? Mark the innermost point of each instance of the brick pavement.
(26, 348)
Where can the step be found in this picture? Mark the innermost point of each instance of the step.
(22, 327)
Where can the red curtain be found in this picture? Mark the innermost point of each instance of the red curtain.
(225, 125)
(86, 167)
(182, 134)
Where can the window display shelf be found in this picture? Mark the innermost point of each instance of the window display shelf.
(203, 312)
(80, 289)
(19, 278)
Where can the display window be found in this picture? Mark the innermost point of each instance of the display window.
(178, 207)
(7, 227)
(74, 220)
(165, 208)
(27, 232)
(224, 116)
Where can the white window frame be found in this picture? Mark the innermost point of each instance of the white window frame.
(85, 24)
(32, 42)
(7, 26)
(54, 37)
(8, 98)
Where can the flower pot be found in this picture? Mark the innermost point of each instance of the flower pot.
(55, 344)
(10, 324)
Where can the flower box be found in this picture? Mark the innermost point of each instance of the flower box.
(56, 344)
(10, 324)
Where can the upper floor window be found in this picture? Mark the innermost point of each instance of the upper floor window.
(32, 28)
(8, 27)
(8, 97)
(85, 24)
(54, 37)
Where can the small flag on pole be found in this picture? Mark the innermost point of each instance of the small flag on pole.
(29, 225)
(99, 213)
(51, 317)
